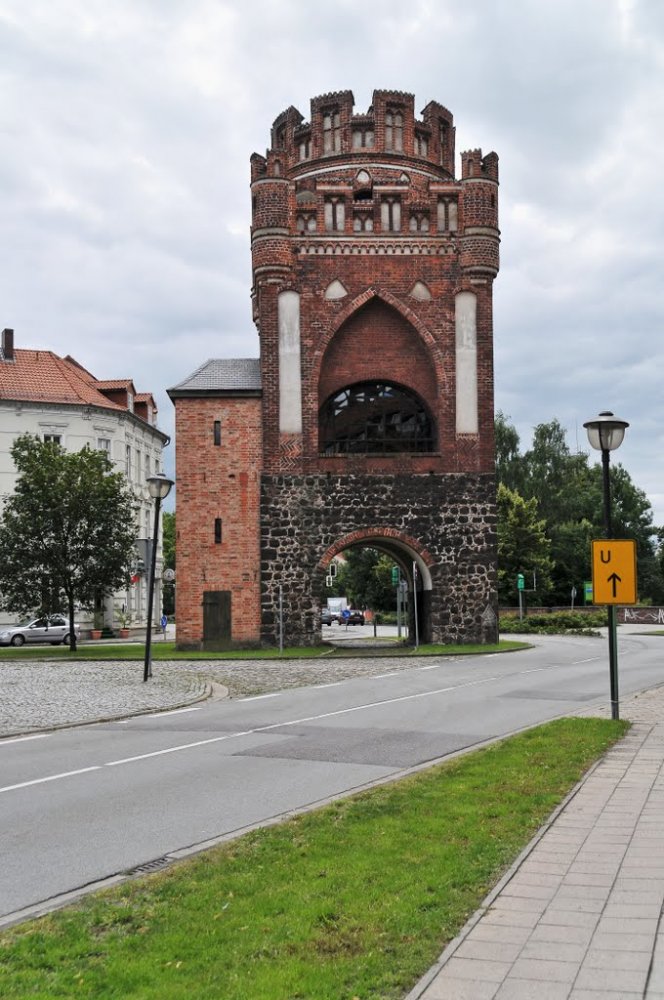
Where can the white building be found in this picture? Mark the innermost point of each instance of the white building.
(58, 400)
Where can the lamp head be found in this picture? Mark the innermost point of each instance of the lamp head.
(159, 486)
(606, 432)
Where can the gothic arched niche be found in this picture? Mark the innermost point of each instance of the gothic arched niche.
(378, 344)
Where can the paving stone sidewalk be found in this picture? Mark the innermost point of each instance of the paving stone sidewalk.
(578, 916)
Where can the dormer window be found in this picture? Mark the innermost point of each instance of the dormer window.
(394, 130)
(332, 131)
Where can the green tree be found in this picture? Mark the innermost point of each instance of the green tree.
(365, 578)
(67, 533)
(522, 545)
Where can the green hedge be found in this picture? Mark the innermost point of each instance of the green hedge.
(555, 623)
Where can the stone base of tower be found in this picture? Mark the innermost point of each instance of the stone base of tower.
(442, 524)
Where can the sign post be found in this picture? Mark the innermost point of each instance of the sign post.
(614, 582)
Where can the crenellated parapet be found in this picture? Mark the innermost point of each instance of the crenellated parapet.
(384, 173)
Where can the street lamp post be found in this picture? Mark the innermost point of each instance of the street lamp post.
(159, 487)
(605, 434)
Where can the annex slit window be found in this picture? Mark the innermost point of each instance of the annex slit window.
(375, 418)
(217, 531)
(217, 432)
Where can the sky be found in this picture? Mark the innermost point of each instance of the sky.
(126, 130)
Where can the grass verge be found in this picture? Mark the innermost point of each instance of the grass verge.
(351, 902)
(167, 651)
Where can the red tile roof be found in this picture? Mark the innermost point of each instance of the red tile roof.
(42, 376)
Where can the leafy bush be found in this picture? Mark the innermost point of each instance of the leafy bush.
(555, 623)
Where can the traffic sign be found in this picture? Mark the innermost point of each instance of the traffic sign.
(164, 622)
(614, 571)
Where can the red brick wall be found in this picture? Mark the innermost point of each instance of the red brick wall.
(218, 481)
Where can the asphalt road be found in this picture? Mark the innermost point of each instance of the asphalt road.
(81, 805)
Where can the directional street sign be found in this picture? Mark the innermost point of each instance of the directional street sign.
(614, 571)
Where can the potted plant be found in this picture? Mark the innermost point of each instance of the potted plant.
(97, 625)
(125, 620)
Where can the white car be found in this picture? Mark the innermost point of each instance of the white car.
(50, 628)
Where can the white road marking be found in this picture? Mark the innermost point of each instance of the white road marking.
(174, 711)
(22, 739)
(332, 684)
(51, 777)
(260, 697)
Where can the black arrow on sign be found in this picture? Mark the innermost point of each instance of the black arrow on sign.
(614, 579)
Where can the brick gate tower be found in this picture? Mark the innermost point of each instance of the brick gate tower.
(368, 418)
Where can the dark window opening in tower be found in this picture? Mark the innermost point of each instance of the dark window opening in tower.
(372, 418)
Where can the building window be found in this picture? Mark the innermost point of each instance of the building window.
(375, 418)
(138, 465)
(390, 214)
(104, 444)
(394, 131)
(442, 142)
(419, 222)
(362, 222)
(53, 438)
(128, 461)
(147, 465)
(331, 132)
(421, 145)
(217, 531)
(306, 222)
(335, 214)
(363, 138)
(305, 149)
(217, 432)
(448, 215)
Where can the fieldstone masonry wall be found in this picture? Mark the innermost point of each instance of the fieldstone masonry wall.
(449, 520)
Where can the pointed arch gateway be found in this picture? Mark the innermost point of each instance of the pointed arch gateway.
(390, 402)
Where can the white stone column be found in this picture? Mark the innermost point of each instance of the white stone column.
(466, 363)
(290, 379)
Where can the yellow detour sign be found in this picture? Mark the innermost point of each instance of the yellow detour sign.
(614, 571)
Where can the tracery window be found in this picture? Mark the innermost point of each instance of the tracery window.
(363, 138)
(390, 214)
(419, 222)
(375, 418)
(394, 130)
(448, 215)
(335, 214)
(331, 132)
(362, 222)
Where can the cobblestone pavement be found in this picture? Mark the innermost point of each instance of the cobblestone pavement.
(40, 694)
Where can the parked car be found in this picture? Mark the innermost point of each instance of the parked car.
(325, 616)
(354, 618)
(51, 628)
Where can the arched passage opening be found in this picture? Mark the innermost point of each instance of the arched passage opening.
(383, 573)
